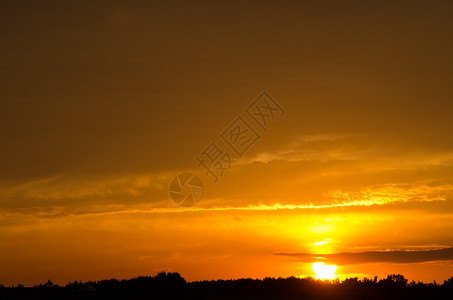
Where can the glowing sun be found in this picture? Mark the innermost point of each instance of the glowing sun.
(323, 271)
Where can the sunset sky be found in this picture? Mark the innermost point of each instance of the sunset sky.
(103, 103)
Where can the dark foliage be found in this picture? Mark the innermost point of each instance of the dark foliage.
(173, 286)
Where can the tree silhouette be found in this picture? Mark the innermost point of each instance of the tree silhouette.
(174, 286)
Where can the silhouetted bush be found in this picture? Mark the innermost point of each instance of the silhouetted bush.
(173, 286)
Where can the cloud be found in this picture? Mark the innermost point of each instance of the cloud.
(315, 147)
(59, 195)
(387, 256)
(391, 193)
(322, 137)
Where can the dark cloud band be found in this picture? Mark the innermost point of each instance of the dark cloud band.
(402, 257)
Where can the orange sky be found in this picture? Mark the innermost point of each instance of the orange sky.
(103, 104)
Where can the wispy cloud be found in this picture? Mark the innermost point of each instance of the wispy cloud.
(66, 187)
(168, 208)
(315, 147)
(391, 193)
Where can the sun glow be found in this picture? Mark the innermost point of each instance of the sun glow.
(323, 271)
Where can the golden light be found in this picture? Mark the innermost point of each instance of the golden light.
(323, 271)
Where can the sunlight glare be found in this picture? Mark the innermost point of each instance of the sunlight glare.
(323, 271)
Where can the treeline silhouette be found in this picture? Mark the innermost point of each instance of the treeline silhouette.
(173, 286)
